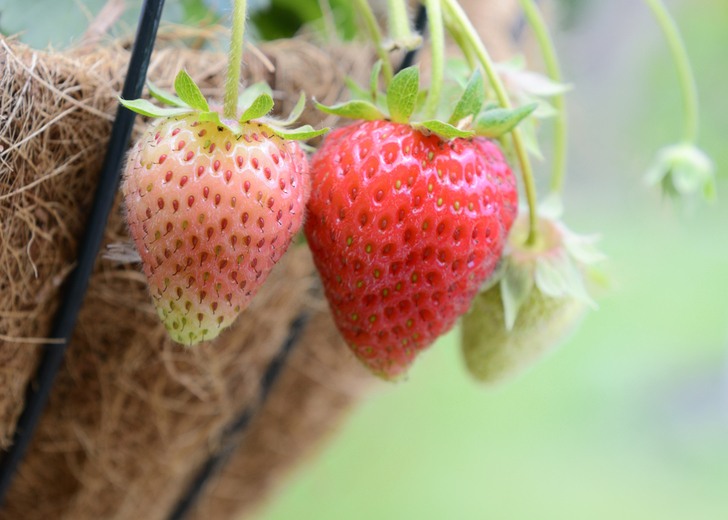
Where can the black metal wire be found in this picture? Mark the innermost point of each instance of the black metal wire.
(38, 390)
(420, 26)
(233, 433)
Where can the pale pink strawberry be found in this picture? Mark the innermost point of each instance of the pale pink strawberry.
(211, 212)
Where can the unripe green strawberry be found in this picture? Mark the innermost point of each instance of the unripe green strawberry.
(537, 300)
(404, 227)
(493, 353)
(211, 211)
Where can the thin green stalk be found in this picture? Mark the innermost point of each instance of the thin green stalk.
(327, 15)
(399, 27)
(470, 35)
(235, 60)
(682, 62)
(543, 38)
(461, 43)
(437, 45)
(376, 35)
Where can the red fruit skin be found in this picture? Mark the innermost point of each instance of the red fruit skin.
(404, 228)
(210, 214)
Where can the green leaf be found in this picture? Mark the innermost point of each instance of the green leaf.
(527, 129)
(258, 108)
(253, 92)
(357, 92)
(212, 116)
(533, 83)
(297, 134)
(444, 130)
(355, 109)
(421, 99)
(497, 122)
(296, 112)
(545, 110)
(557, 275)
(583, 248)
(374, 79)
(515, 286)
(458, 70)
(145, 108)
(402, 94)
(471, 101)
(165, 97)
(189, 92)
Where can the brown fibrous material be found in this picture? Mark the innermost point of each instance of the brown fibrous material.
(133, 416)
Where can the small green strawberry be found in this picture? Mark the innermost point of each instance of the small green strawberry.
(212, 204)
(537, 299)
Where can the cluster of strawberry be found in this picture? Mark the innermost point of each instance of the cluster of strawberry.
(406, 220)
(411, 212)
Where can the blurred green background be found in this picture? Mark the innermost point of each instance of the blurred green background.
(629, 419)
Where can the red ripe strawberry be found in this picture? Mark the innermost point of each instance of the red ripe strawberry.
(211, 212)
(404, 228)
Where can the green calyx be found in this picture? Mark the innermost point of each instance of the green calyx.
(404, 102)
(560, 265)
(255, 104)
(683, 170)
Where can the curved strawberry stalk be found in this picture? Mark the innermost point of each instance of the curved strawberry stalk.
(681, 169)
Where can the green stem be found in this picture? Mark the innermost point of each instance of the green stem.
(327, 16)
(437, 45)
(540, 31)
(460, 42)
(235, 60)
(682, 62)
(399, 26)
(376, 36)
(470, 35)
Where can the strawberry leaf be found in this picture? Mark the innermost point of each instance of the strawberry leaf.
(253, 92)
(497, 122)
(444, 130)
(165, 97)
(145, 108)
(258, 108)
(374, 79)
(516, 286)
(296, 112)
(214, 117)
(530, 140)
(356, 91)
(557, 275)
(471, 101)
(211, 116)
(402, 94)
(189, 92)
(355, 109)
(298, 134)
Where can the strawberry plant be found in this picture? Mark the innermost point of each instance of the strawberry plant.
(396, 215)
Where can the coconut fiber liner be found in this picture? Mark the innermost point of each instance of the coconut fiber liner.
(133, 417)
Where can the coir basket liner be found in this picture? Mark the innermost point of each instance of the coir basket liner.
(132, 417)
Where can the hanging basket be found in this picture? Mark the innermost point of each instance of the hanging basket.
(136, 423)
